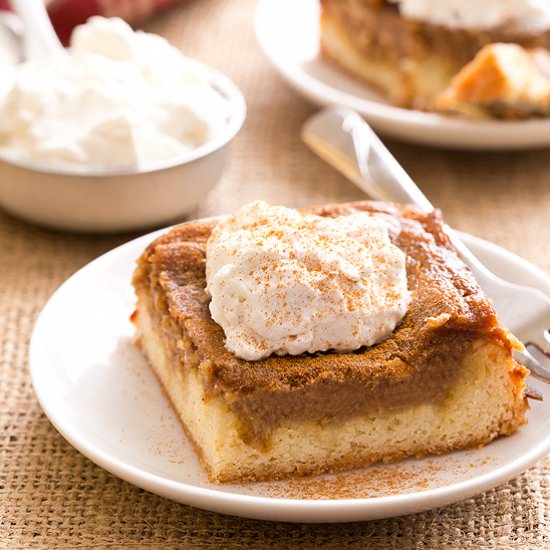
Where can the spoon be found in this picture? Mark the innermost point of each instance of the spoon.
(40, 40)
(11, 32)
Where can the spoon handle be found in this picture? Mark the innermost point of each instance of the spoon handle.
(40, 39)
(343, 139)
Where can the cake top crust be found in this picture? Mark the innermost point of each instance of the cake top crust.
(447, 308)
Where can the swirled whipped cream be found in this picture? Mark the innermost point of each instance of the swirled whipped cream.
(117, 98)
(479, 14)
(282, 282)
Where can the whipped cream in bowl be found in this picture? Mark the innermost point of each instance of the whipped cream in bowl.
(282, 282)
(119, 132)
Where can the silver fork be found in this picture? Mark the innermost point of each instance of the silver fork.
(344, 140)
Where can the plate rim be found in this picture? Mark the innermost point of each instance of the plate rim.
(517, 134)
(263, 507)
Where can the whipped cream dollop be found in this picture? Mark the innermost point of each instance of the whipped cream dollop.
(479, 14)
(117, 98)
(282, 282)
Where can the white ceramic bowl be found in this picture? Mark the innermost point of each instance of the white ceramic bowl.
(101, 201)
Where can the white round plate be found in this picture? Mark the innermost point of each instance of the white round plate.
(288, 32)
(98, 391)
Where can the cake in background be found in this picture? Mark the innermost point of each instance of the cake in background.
(417, 52)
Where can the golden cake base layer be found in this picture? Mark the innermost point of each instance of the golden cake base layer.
(483, 404)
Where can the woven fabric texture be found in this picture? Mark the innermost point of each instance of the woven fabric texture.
(53, 497)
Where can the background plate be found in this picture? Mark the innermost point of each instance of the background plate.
(288, 32)
(98, 391)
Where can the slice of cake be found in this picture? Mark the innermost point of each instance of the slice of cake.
(438, 378)
(411, 50)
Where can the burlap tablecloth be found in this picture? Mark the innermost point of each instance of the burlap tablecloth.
(53, 497)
